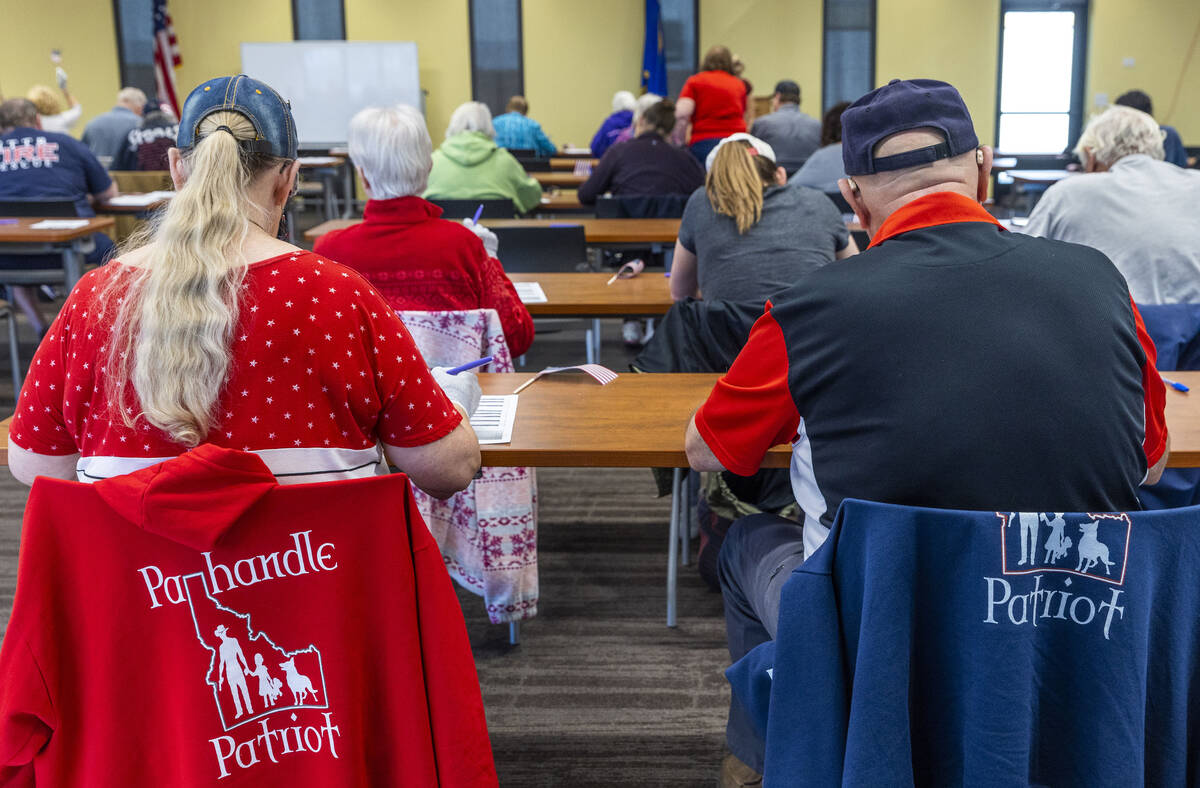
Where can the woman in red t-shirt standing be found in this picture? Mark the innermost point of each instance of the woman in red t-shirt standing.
(211, 329)
(712, 103)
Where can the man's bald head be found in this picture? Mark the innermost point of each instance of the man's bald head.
(876, 196)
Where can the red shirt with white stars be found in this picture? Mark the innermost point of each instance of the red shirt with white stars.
(322, 369)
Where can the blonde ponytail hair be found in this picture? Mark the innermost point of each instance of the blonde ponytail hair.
(174, 323)
(735, 183)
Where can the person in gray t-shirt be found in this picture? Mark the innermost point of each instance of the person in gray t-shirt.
(791, 133)
(744, 237)
(824, 168)
(1133, 206)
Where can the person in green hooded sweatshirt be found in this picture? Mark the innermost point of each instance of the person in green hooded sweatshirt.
(469, 165)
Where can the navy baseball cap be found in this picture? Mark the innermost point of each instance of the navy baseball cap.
(902, 105)
(274, 126)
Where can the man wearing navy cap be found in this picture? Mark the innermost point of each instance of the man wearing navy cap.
(951, 365)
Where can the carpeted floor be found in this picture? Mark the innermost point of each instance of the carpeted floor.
(599, 692)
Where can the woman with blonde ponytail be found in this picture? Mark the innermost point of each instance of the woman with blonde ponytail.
(210, 328)
(747, 235)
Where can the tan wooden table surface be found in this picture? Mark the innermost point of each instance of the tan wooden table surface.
(560, 179)
(565, 200)
(108, 208)
(638, 421)
(590, 295)
(569, 420)
(569, 164)
(598, 231)
(20, 231)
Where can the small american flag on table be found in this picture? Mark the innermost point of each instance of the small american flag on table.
(603, 375)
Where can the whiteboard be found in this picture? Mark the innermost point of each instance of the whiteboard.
(327, 82)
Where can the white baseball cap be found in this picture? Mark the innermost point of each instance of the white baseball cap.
(761, 147)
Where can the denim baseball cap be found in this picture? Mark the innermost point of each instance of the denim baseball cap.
(903, 105)
(275, 129)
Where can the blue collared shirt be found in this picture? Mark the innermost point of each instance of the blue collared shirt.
(514, 130)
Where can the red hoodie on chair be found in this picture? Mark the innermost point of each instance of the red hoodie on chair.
(197, 624)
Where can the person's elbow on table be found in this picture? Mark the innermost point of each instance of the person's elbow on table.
(700, 457)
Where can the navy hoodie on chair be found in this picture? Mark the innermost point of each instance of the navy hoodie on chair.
(929, 647)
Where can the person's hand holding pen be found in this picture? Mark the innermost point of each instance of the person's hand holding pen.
(460, 384)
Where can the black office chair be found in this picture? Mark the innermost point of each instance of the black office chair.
(839, 201)
(465, 209)
(535, 165)
(54, 208)
(641, 206)
(542, 249)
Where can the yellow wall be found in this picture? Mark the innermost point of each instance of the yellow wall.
(776, 39)
(571, 101)
(1156, 34)
(575, 59)
(204, 31)
(952, 40)
(83, 30)
(443, 47)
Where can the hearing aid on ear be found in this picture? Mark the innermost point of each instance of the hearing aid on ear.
(979, 156)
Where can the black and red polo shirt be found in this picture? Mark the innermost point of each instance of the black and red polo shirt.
(951, 365)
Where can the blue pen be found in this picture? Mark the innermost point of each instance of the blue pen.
(1175, 385)
(478, 213)
(472, 365)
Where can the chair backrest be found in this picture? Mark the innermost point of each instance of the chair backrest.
(290, 618)
(995, 648)
(465, 209)
(641, 206)
(456, 337)
(535, 164)
(142, 180)
(540, 249)
(1175, 329)
(38, 207)
(838, 200)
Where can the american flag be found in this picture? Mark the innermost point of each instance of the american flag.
(166, 56)
(603, 375)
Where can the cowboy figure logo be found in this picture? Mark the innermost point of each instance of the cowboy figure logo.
(241, 656)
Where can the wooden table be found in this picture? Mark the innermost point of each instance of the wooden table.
(598, 231)
(588, 295)
(17, 236)
(1039, 177)
(605, 231)
(568, 420)
(571, 163)
(107, 208)
(560, 179)
(561, 202)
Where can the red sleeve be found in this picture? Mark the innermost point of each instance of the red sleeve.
(499, 293)
(38, 424)
(751, 408)
(414, 410)
(461, 746)
(1155, 391)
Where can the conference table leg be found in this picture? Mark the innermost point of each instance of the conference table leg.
(72, 258)
(348, 208)
(677, 488)
(595, 341)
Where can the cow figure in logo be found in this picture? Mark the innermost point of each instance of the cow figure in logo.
(1091, 549)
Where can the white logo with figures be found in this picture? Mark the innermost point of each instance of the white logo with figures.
(228, 636)
(1100, 553)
